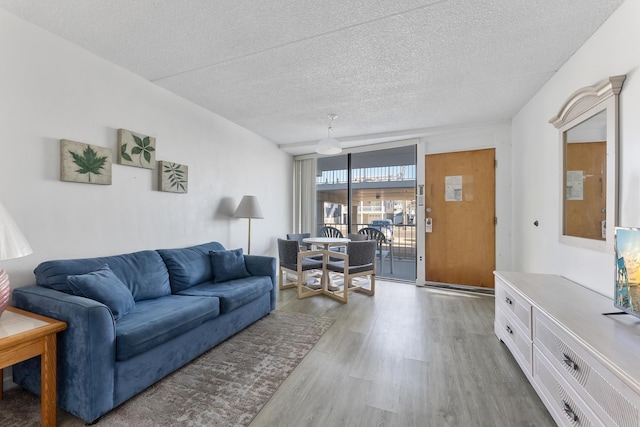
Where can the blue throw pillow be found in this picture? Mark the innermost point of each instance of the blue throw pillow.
(103, 286)
(228, 265)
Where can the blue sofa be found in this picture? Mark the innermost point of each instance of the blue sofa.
(161, 309)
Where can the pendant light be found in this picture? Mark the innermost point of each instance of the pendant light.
(329, 145)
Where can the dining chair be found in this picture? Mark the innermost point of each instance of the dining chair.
(381, 239)
(358, 261)
(299, 237)
(295, 262)
(356, 237)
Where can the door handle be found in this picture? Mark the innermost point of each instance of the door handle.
(567, 410)
(570, 363)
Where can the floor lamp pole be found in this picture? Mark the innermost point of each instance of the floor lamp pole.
(249, 239)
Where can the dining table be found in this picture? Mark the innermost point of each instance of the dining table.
(326, 243)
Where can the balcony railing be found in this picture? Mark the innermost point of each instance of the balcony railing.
(377, 174)
(372, 209)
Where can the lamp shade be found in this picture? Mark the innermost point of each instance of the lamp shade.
(329, 146)
(12, 242)
(12, 245)
(248, 208)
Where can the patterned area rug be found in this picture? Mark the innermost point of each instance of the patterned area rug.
(226, 386)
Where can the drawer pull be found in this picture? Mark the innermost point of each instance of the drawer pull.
(570, 363)
(567, 410)
(509, 330)
(508, 300)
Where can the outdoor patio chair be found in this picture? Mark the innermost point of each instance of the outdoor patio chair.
(381, 239)
(330, 232)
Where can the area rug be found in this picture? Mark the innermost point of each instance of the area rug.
(226, 386)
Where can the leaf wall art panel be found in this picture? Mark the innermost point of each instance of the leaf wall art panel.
(80, 162)
(172, 177)
(135, 149)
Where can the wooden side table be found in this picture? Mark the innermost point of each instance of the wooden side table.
(24, 335)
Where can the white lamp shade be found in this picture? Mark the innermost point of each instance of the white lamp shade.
(248, 208)
(12, 242)
(329, 146)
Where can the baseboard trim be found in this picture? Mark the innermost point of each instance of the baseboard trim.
(473, 289)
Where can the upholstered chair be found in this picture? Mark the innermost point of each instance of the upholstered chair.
(385, 247)
(299, 237)
(359, 261)
(356, 237)
(295, 262)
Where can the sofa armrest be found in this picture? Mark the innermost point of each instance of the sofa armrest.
(258, 265)
(85, 351)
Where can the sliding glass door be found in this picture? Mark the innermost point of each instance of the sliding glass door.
(373, 189)
(332, 193)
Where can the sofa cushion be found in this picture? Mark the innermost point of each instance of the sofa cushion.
(189, 266)
(233, 293)
(156, 321)
(228, 265)
(144, 273)
(103, 286)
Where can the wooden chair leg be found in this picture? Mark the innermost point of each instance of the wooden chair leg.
(285, 275)
(303, 290)
(372, 286)
(281, 279)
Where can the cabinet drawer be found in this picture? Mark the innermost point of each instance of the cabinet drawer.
(507, 329)
(566, 407)
(610, 398)
(510, 301)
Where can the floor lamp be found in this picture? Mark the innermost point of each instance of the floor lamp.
(12, 245)
(249, 208)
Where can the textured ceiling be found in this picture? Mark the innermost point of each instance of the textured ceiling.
(389, 69)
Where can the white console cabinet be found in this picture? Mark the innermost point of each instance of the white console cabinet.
(585, 366)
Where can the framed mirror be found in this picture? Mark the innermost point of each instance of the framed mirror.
(588, 125)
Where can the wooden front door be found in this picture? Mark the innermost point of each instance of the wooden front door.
(585, 205)
(460, 214)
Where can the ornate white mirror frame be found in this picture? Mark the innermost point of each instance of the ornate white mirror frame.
(581, 106)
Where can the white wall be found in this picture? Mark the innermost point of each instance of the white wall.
(612, 50)
(50, 89)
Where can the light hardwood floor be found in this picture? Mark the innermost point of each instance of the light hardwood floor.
(407, 356)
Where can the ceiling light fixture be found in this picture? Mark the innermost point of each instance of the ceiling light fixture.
(329, 145)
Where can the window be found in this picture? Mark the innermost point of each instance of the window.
(372, 189)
